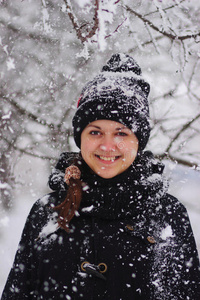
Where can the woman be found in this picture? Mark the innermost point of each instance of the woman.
(109, 230)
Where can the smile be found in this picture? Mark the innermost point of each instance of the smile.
(107, 158)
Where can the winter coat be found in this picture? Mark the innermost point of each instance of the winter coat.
(130, 240)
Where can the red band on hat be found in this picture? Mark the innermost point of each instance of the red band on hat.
(79, 101)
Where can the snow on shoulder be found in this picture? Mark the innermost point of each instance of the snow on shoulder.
(87, 209)
(44, 200)
(50, 227)
(166, 233)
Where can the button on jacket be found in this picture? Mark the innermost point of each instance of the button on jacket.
(130, 240)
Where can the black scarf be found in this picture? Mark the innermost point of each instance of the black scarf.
(136, 191)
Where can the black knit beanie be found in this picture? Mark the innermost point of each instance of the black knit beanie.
(118, 93)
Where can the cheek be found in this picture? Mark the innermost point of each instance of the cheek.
(129, 156)
(130, 151)
(120, 144)
(134, 145)
(128, 146)
(87, 147)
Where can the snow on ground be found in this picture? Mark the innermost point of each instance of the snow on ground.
(185, 185)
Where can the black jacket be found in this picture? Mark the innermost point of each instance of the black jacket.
(130, 240)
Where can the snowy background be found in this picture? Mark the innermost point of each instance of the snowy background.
(49, 50)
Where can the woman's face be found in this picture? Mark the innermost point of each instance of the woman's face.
(108, 147)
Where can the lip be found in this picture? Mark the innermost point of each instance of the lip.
(107, 159)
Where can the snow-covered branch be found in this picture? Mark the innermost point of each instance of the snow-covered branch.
(178, 160)
(83, 37)
(27, 34)
(28, 114)
(171, 36)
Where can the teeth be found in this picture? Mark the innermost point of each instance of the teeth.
(107, 158)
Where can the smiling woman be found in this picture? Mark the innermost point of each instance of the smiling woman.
(110, 230)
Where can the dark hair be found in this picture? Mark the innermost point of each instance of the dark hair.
(67, 209)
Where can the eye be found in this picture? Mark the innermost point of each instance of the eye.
(95, 132)
(120, 133)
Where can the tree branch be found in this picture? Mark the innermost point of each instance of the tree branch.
(23, 151)
(164, 9)
(116, 30)
(77, 27)
(163, 32)
(186, 126)
(29, 35)
(39, 120)
(30, 115)
(194, 69)
(178, 160)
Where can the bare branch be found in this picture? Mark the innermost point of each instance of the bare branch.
(180, 161)
(116, 30)
(185, 127)
(163, 32)
(24, 151)
(145, 43)
(77, 27)
(30, 115)
(168, 94)
(164, 9)
(29, 35)
(153, 40)
(193, 73)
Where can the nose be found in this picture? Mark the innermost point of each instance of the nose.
(108, 144)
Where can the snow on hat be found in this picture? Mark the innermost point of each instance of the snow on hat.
(118, 93)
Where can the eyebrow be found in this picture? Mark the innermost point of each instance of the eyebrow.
(117, 129)
(94, 126)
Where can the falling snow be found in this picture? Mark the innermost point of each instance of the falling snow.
(44, 67)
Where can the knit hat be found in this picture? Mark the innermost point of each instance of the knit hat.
(118, 93)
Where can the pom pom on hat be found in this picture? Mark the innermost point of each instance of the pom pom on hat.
(122, 63)
(119, 93)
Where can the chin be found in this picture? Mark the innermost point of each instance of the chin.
(106, 175)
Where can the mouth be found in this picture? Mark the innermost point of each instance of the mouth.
(107, 158)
